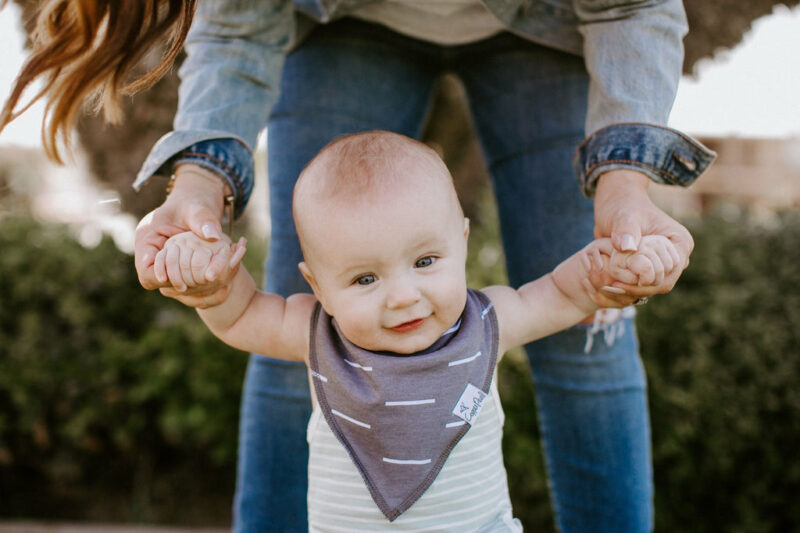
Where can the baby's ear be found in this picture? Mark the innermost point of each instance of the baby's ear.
(466, 228)
(311, 280)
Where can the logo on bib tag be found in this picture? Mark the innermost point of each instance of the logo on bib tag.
(470, 403)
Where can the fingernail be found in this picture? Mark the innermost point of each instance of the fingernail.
(614, 290)
(628, 243)
(209, 231)
(211, 275)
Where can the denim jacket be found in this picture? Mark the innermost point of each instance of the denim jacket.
(632, 49)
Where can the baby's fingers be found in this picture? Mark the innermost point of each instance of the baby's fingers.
(200, 261)
(225, 260)
(591, 259)
(672, 251)
(648, 266)
(218, 264)
(618, 269)
(663, 249)
(592, 255)
(174, 268)
(667, 259)
(238, 252)
(185, 265)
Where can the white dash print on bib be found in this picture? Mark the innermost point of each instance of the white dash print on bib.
(470, 403)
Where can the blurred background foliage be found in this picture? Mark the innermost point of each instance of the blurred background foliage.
(116, 404)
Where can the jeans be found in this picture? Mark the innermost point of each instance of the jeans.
(528, 103)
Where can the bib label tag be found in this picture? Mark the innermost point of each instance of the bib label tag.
(470, 403)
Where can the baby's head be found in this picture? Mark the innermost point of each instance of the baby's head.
(384, 240)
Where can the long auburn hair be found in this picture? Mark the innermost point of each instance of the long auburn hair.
(86, 50)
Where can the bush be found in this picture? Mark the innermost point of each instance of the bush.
(115, 402)
(722, 355)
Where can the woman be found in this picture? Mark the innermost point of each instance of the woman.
(542, 79)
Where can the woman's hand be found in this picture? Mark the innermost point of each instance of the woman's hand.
(195, 204)
(624, 212)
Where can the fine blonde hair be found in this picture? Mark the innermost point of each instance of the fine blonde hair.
(359, 163)
(359, 168)
(86, 51)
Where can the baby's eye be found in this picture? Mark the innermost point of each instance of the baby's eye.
(424, 262)
(366, 279)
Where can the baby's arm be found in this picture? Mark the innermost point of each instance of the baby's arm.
(551, 303)
(247, 319)
(566, 296)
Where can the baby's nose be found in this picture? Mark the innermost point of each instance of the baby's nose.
(402, 294)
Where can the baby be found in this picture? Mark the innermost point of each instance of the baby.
(407, 425)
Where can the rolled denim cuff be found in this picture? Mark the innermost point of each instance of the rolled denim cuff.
(664, 155)
(221, 153)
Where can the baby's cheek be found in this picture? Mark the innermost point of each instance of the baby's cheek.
(358, 326)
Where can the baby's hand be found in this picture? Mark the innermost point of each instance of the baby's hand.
(646, 267)
(655, 259)
(187, 261)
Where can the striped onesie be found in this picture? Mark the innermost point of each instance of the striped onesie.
(408, 443)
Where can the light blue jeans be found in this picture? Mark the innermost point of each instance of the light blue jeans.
(529, 104)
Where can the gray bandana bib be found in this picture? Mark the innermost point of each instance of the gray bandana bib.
(400, 416)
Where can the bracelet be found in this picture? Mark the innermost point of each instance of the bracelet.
(227, 202)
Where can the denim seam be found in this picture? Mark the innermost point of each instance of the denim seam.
(662, 173)
(649, 125)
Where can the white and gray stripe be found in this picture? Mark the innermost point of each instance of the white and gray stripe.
(464, 360)
(356, 365)
(409, 402)
(351, 419)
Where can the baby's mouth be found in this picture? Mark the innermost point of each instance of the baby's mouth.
(411, 325)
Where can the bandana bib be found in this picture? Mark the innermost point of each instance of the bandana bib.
(400, 416)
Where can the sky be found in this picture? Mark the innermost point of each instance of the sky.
(750, 91)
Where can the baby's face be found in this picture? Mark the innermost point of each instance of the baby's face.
(391, 271)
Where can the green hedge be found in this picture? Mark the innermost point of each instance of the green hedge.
(116, 404)
(722, 352)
